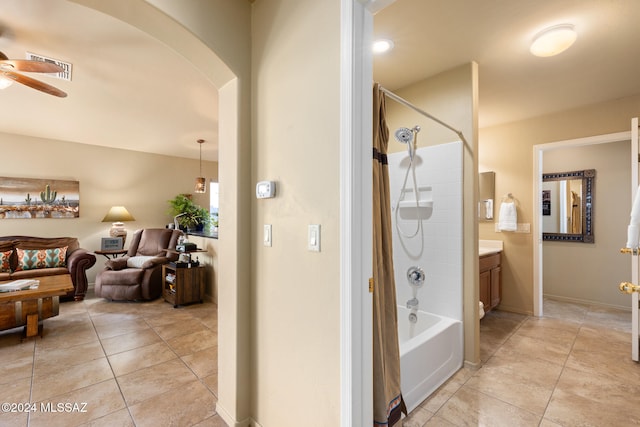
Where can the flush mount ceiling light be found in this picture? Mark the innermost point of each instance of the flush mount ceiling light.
(382, 46)
(553, 40)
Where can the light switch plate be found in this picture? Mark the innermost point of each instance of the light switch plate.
(314, 238)
(266, 239)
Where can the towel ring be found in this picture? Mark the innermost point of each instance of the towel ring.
(509, 198)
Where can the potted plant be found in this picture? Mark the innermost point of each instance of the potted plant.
(188, 215)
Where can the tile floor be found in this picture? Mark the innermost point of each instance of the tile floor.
(134, 364)
(572, 367)
(148, 364)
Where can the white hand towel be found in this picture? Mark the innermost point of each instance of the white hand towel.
(488, 209)
(634, 223)
(632, 236)
(635, 209)
(508, 220)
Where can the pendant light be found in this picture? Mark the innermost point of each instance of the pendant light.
(201, 184)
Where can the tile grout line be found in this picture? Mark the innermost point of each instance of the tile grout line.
(564, 364)
(472, 375)
(576, 327)
(512, 333)
(200, 380)
(92, 313)
(110, 367)
(33, 373)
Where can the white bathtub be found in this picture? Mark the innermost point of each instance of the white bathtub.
(430, 353)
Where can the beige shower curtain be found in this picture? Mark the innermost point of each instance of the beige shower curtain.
(387, 399)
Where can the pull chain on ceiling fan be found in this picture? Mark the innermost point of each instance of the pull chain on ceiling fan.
(9, 68)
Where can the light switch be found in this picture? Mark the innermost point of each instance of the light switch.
(314, 237)
(266, 240)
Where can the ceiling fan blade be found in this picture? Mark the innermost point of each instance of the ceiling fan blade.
(32, 66)
(36, 84)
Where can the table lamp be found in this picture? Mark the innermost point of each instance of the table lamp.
(116, 215)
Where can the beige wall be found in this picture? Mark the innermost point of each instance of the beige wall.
(576, 271)
(508, 150)
(450, 96)
(141, 182)
(447, 96)
(296, 293)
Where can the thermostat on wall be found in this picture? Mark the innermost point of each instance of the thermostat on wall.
(265, 189)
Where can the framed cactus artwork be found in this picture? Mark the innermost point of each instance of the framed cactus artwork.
(28, 198)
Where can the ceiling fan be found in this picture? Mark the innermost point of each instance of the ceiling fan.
(8, 68)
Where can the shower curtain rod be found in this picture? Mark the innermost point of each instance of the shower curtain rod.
(424, 113)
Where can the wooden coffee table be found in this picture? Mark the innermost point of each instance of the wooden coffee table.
(30, 307)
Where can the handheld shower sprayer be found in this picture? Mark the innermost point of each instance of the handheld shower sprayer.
(408, 136)
(404, 135)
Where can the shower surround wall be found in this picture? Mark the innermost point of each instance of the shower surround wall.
(437, 249)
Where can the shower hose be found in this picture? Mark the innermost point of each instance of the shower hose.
(411, 169)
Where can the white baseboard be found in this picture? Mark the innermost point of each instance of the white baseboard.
(231, 422)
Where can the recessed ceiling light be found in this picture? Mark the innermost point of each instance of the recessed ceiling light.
(382, 46)
(553, 40)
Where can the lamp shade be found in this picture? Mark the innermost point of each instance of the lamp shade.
(118, 214)
(201, 185)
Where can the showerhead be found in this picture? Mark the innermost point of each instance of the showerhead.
(404, 135)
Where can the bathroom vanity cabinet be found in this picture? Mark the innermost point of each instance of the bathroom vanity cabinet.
(182, 285)
(490, 280)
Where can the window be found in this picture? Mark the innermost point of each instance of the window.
(213, 202)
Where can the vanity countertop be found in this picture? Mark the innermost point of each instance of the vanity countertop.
(488, 247)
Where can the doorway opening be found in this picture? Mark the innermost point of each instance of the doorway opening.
(538, 169)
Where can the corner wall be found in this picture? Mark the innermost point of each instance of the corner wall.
(508, 150)
(295, 297)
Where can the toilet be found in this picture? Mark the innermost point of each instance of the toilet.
(480, 310)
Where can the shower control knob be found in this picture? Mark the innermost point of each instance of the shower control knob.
(415, 276)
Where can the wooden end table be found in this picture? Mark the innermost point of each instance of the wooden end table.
(186, 285)
(30, 307)
(111, 253)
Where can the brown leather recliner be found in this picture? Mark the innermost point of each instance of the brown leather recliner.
(138, 274)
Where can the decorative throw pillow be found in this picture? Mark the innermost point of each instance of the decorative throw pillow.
(29, 259)
(5, 267)
(139, 261)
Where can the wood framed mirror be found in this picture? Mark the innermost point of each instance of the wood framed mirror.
(567, 206)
